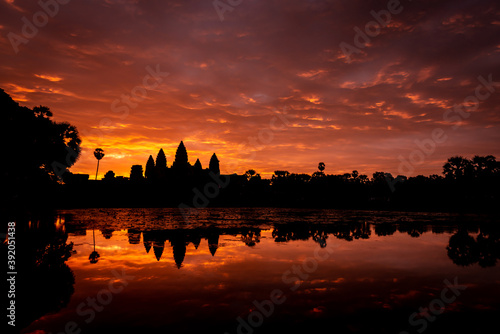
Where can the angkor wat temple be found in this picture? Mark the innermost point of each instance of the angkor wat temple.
(157, 170)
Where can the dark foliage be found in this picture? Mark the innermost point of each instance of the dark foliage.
(37, 152)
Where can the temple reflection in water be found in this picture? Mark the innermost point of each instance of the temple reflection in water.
(384, 265)
(470, 243)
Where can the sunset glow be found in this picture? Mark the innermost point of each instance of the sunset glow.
(268, 87)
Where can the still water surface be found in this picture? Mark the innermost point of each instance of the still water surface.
(272, 270)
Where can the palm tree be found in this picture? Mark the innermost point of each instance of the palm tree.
(319, 173)
(98, 154)
(94, 256)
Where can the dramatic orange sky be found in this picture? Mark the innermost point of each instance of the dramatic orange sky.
(268, 87)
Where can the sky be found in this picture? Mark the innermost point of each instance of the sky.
(268, 85)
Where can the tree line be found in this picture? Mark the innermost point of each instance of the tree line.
(41, 151)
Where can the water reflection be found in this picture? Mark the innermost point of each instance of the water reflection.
(94, 256)
(386, 267)
(44, 282)
(465, 250)
(470, 243)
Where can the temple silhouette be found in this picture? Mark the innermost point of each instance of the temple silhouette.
(42, 152)
(158, 170)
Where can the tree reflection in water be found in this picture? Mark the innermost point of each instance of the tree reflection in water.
(45, 247)
(464, 248)
(44, 281)
(94, 256)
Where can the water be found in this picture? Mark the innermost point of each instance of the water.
(266, 271)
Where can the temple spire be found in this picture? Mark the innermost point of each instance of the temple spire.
(214, 165)
(150, 168)
(181, 157)
(161, 165)
(197, 165)
(161, 160)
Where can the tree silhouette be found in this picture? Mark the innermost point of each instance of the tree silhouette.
(250, 174)
(109, 176)
(379, 177)
(319, 173)
(457, 168)
(280, 174)
(98, 154)
(41, 150)
(42, 112)
(485, 167)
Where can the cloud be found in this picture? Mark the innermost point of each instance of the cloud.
(227, 79)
